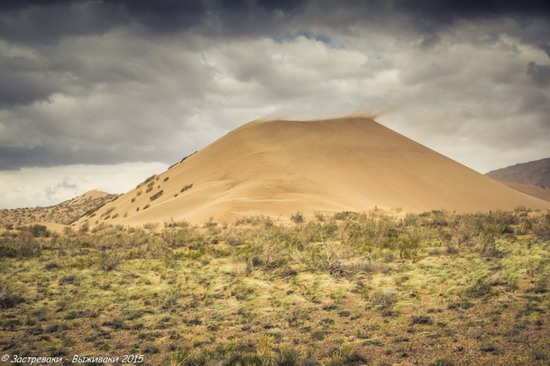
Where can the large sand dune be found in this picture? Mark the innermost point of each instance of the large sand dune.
(279, 167)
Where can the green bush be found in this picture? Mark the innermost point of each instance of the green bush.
(297, 218)
(39, 231)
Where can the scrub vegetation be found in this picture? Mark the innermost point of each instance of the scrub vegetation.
(340, 289)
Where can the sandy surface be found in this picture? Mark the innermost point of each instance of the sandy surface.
(279, 167)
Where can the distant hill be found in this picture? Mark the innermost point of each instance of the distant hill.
(277, 168)
(532, 178)
(63, 213)
(534, 173)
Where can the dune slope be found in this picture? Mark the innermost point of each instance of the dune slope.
(279, 167)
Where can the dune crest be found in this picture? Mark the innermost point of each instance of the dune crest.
(279, 167)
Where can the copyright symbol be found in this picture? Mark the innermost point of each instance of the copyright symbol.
(5, 358)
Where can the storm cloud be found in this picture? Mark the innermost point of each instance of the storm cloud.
(115, 82)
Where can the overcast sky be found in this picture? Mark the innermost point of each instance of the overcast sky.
(101, 94)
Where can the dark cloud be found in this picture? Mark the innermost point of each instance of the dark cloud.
(446, 12)
(44, 22)
(164, 15)
(23, 89)
(41, 23)
(107, 82)
(13, 158)
(65, 185)
(539, 73)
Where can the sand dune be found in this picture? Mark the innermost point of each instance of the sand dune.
(87, 197)
(279, 167)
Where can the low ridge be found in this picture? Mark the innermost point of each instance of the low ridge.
(532, 177)
(534, 173)
(280, 167)
(63, 213)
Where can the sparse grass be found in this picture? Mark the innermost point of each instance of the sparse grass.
(344, 289)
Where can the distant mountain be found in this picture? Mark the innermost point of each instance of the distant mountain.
(534, 173)
(532, 178)
(276, 168)
(63, 213)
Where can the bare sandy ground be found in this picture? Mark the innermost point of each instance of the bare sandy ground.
(276, 168)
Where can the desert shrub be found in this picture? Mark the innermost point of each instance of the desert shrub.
(150, 179)
(151, 349)
(68, 279)
(289, 357)
(409, 244)
(345, 215)
(441, 362)
(480, 287)
(186, 187)
(384, 300)
(524, 226)
(411, 219)
(491, 349)
(540, 285)
(109, 261)
(156, 195)
(541, 226)
(146, 206)
(50, 266)
(421, 319)
(108, 211)
(84, 228)
(348, 355)
(7, 250)
(487, 245)
(243, 358)
(39, 231)
(187, 157)
(23, 246)
(9, 298)
(318, 335)
(297, 218)
(183, 234)
(435, 218)
(234, 241)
